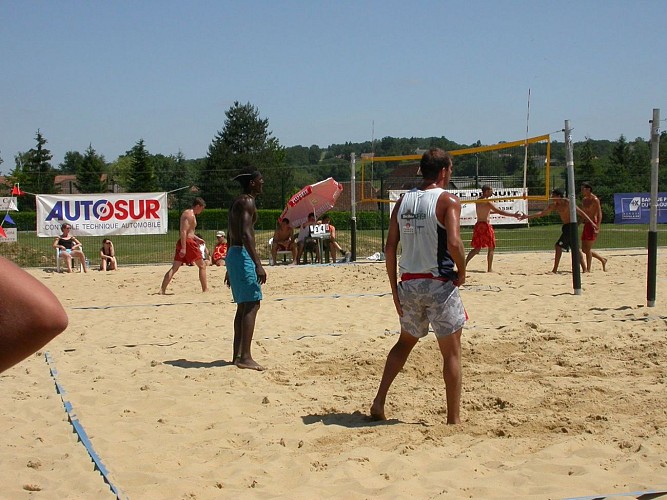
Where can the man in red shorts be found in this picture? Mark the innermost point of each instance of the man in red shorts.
(591, 205)
(187, 247)
(483, 235)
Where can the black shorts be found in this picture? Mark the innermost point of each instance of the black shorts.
(564, 240)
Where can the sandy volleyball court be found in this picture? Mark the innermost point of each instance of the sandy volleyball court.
(563, 395)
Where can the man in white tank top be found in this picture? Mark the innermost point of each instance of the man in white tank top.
(432, 266)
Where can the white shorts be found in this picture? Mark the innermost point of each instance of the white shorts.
(431, 301)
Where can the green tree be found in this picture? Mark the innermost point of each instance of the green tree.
(244, 141)
(640, 164)
(71, 163)
(120, 171)
(89, 173)
(173, 173)
(314, 154)
(296, 155)
(142, 177)
(662, 161)
(33, 171)
(585, 166)
(535, 176)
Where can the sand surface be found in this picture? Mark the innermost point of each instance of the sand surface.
(563, 395)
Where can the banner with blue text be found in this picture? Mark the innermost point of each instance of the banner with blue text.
(102, 214)
(634, 208)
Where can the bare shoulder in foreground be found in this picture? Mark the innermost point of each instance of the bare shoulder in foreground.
(30, 315)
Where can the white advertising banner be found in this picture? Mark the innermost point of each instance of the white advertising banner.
(102, 214)
(8, 203)
(12, 235)
(468, 212)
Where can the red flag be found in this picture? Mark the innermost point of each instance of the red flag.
(16, 191)
(2, 232)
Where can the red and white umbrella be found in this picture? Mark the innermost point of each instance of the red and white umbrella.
(315, 198)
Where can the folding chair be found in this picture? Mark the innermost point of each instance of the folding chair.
(283, 253)
(59, 251)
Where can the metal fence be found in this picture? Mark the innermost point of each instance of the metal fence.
(31, 251)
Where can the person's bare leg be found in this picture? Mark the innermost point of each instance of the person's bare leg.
(82, 259)
(471, 254)
(489, 260)
(169, 275)
(103, 265)
(599, 257)
(299, 253)
(586, 249)
(294, 252)
(394, 364)
(202, 274)
(68, 261)
(450, 347)
(274, 253)
(244, 329)
(559, 252)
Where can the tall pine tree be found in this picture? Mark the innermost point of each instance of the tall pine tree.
(244, 141)
(89, 173)
(142, 177)
(34, 172)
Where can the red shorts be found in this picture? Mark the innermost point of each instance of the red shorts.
(589, 233)
(192, 252)
(483, 236)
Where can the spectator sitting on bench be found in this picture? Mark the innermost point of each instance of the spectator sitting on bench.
(220, 251)
(333, 242)
(283, 240)
(305, 242)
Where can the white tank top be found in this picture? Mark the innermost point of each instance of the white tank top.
(423, 238)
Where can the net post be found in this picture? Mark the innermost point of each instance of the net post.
(353, 208)
(653, 221)
(574, 233)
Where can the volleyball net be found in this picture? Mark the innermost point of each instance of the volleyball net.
(517, 170)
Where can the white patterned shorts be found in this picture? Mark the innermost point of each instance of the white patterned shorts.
(431, 301)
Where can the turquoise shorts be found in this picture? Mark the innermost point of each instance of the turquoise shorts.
(242, 276)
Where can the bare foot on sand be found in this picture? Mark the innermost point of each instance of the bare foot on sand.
(604, 264)
(377, 412)
(249, 364)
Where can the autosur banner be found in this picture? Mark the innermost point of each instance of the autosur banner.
(102, 214)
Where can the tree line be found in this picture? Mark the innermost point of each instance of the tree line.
(245, 140)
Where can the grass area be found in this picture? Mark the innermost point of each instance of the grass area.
(31, 251)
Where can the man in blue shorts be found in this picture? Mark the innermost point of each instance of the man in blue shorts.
(245, 273)
(426, 223)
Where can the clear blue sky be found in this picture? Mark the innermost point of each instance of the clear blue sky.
(109, 73)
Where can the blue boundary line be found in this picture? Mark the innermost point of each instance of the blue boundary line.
(78, 428)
